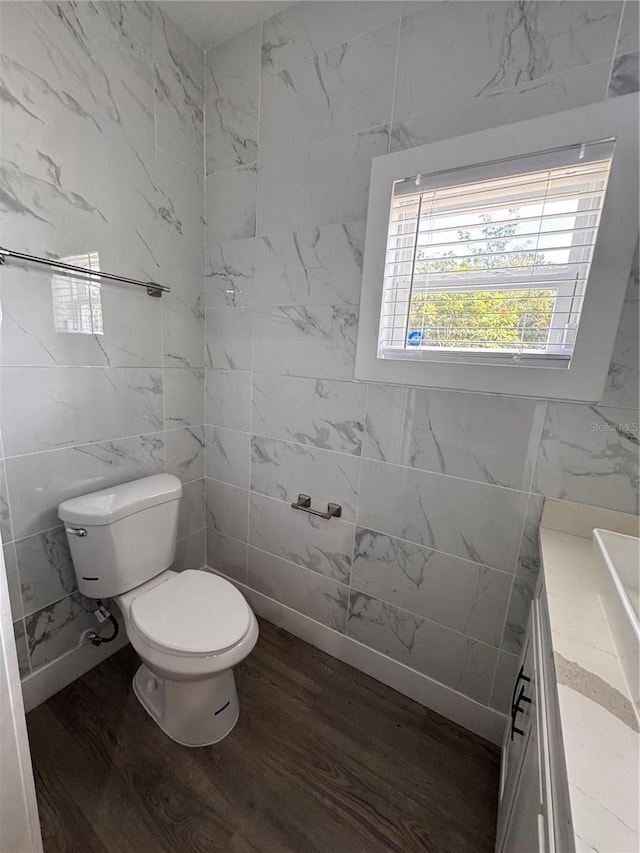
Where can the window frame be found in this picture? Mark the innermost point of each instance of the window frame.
(585, 379)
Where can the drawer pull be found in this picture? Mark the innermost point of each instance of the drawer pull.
(517, 709)
(521, 677)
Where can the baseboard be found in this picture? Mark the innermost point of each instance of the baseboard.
(49, 679)
(477, 718)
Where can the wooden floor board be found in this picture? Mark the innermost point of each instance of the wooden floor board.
(323, 760)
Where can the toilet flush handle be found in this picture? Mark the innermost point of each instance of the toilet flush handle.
(75, 531)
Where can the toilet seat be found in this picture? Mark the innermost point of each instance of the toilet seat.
(194, 613)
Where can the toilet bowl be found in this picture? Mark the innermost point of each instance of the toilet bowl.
(189, 628)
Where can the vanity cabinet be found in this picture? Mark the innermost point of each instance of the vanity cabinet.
(532, 813)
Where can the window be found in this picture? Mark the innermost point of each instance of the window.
(502, 251)
(77, 302)
(490, 263)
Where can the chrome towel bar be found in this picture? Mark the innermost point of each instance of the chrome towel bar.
(153, 289)
(304, 503)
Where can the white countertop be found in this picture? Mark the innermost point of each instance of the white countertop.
(600, 729)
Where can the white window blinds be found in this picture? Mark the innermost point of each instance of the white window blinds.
(491, 262)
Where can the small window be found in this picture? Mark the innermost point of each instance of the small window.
(77, 302)
(490, 263)
(498, 261)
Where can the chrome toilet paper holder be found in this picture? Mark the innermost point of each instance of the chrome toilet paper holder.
(304, 503)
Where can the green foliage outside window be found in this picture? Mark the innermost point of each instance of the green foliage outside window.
(489, 319)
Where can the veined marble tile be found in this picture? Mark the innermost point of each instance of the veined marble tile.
(181, 209)
(629, 35)
(589, 454)
(231, 204)
(111, 209)
(342, 90)
(173, 49)
(182, 271)
(517, 615)
(39, 482)
(315, 266)
(13, 580)
(57, 628)
(183, 330)
(228, 455)
(230, 272)
(318, 342)
(486, 438)
(227, 509)
(502, 691)
(525, 580)
(229, 338)
(179, 93)
(625, 75)
(76, 405)
(60, 222)
(486, 47)
(303, 30)
(459, 517)
(179, 118)
(444, 655)
(227, 555)
(283, 469)
(132, 328)
(623, 380)
(183, 397)
(307, 592)
(190, 552)
(121, 20)
(96, 55)
(303, 539)
(192, 508)
(70, 141)
(21, 648)
(317, 412)
(6, 531)
(46, 570)
(323, 185)
(184, 451)
(528, 563)
(232, 82)
(633, 288)
(228, 399)
(560, 92)
(459, 594)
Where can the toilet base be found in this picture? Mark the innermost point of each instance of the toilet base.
(192, 713)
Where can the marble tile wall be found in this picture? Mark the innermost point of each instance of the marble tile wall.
(101, 150)
(435, 557)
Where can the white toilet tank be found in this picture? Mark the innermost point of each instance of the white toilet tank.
(123, 536)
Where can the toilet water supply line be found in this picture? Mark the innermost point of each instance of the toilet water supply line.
(102, 615)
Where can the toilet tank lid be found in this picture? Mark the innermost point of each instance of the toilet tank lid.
(109, 505)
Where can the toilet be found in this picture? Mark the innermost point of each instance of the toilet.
(189, 628)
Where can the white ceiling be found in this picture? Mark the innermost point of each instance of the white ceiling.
(210, 22)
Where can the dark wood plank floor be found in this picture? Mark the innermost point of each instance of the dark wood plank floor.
(323, 760)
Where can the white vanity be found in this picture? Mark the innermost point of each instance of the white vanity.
(571, 752)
